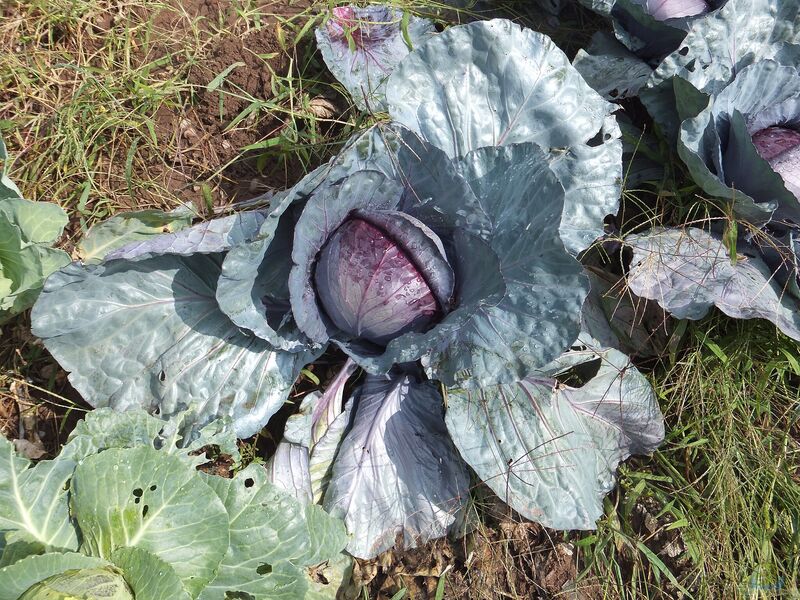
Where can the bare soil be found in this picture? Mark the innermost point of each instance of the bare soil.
(504, 557)
(202, 142)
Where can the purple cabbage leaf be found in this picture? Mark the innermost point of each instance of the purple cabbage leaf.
(361, 47)
(397, 473)
(689, 271)
(550, 449)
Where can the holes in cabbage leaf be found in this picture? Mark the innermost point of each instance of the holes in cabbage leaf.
(581, 374)
(249, 482)
(264, 569)
(231, 595)
(597, 139)
(684, 51)
(138, 494)
(317, 575)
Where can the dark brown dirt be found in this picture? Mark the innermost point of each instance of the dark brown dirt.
(507, 557)
(177, 52)
(36, 420)
(201, 140)
(204, 138)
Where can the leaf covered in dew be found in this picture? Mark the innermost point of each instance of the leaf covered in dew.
(373, 275)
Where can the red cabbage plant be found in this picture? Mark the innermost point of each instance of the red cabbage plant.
(743, 150)
(438, 253)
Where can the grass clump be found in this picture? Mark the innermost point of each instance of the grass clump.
(716, 514)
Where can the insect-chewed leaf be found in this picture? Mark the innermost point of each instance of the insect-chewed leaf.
(273, 535)
(494, 83)
(143, 498)
(550, 450)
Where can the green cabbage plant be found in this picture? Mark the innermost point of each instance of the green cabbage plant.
(27, 232)
(122, 513)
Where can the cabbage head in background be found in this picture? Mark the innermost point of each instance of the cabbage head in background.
(645, 32)
(438, 253)
(743, 149)
(715, 50)
(362, 46)
(743, 146)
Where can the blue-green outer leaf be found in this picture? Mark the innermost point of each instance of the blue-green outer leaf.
(741, 33)
(539, 315)
(610, 69)
(217, 235)
(150, 334)
(125, 228)
(549, 450)
(494, 83)
(718, 47)
(253, 289)
(688, 271)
